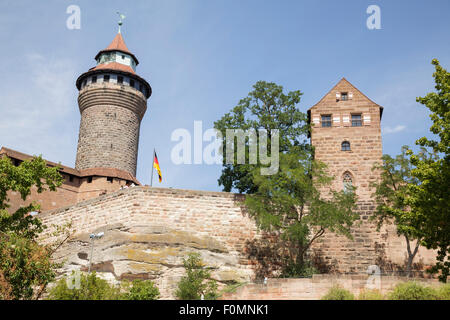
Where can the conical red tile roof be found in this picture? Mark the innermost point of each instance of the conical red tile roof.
(118, 44)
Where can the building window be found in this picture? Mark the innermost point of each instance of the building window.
(106, 78)
(120, 79)
(94, 79)
(89, 179)
(131, 83)
(123, 57)
(356, 120)
(109, 179)
(347, 182)
(344, 96)
(71, 178)
(345, 146)
(326, 121)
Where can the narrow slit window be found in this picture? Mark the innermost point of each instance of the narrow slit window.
(347, 182)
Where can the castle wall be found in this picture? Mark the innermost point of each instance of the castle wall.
(65, 195)
(149, 230)
(316, 287)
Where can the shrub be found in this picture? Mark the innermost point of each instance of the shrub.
(444, 292)
(142, 290)
(295, 270)
(338, 293)
(91, 288)
(95, 288)
(412, 291)
(195, 283)
(370, 295)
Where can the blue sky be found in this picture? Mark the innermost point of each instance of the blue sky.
(202, 56)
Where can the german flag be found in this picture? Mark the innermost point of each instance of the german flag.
(156, 166)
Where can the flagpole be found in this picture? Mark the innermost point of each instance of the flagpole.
(153, 161)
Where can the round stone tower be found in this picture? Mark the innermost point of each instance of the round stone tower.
(112, 100)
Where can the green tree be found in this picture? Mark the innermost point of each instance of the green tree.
(266, 107)
(196, 281)
(25, 266)
(391, 194)
(296, 201)
(430, 198)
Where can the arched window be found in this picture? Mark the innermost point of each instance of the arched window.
(345, 146)
(347, 182)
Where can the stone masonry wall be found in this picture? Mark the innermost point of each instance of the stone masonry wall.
(316, 287)
(109, 127)
(149, 230)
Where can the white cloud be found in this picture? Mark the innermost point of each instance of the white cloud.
(37, 104)
(388, 130)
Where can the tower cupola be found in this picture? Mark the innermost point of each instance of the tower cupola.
(117, 52)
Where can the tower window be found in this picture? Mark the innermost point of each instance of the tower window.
(347, 182)
(131, 83)
(71, 178)
(120, 79)
(89, 180)
(345, 146)
(356, 120)
(326, 121)
(106, 78)
(344, 96)
(94, 79)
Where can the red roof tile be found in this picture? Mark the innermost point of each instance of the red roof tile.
(114, 66)
(118, 44)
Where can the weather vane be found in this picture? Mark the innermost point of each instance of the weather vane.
(121, 17)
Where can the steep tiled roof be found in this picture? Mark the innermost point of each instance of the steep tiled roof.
(13, 154)
(101, 172)
(118, 44)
